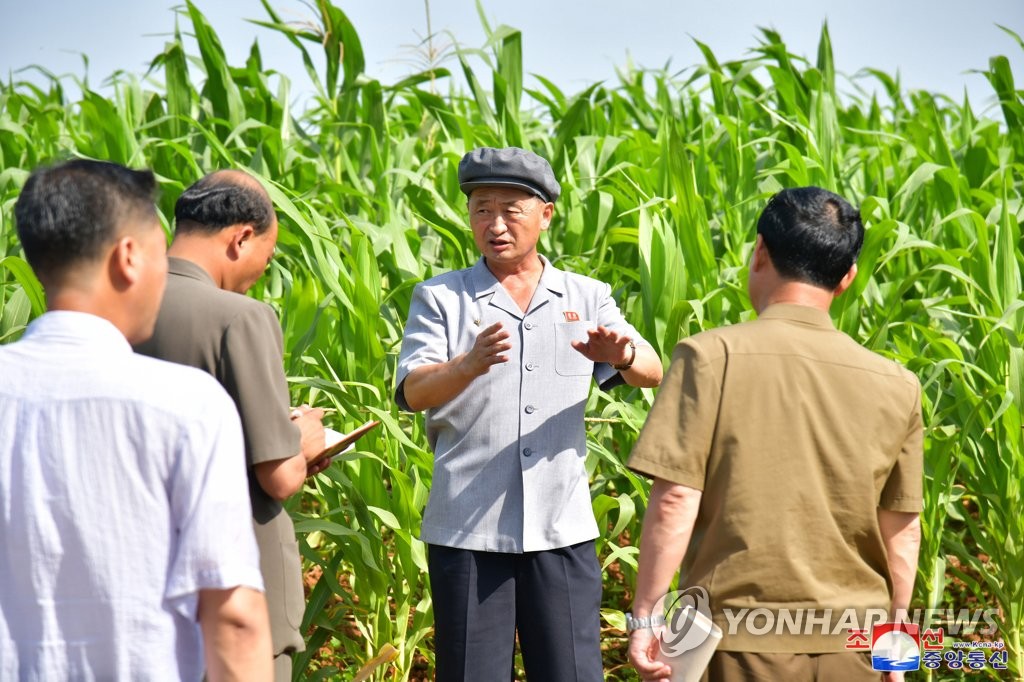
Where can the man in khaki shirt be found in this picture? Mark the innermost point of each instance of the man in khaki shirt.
(788, 465)
(225, 234)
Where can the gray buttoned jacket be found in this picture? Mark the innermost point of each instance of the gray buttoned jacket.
(509, 451)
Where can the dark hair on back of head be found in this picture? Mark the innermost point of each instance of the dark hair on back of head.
(812, 235)
(67, 213)
(218, 201)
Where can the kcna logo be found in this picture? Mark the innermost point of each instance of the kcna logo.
(895, 647)
(687, 620)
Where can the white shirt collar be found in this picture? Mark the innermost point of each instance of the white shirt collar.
(77, 328)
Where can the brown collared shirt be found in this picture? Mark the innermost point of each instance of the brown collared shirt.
(796, 435)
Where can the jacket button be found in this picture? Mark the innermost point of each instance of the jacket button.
(527, 452)
(528, 325)
(530, 409)
(530, 367)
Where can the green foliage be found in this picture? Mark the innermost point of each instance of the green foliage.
(663, 178)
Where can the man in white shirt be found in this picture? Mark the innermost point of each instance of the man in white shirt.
(126, 547)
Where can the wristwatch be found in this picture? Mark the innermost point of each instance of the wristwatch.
(644, 622)
(632, 356)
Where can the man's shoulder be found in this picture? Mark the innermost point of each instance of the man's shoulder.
(747, 336)
(446, 280)
(181, 390)
(446, 289)
(877, 363)
(583, 283)
(199, 297)
(14, 357)
(193, 308)
(766, 337)
(169, 377)
(719, 341)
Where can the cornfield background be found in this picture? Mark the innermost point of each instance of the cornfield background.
(663, 176)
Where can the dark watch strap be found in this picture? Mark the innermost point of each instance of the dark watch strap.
(632, 356)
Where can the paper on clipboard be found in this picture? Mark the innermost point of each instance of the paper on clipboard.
(687, 644)
(338, 442)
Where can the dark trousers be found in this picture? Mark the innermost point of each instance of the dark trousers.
(482, 599)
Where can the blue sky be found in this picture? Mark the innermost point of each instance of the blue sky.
(933, 44)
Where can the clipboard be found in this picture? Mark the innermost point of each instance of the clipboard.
(340, 442)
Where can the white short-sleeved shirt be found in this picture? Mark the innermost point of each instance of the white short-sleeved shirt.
(509, 451)
(122, 495)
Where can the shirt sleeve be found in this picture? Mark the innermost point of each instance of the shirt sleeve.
(254, 374)
(425, 341)
(610, 317)
(903, 489)
(215, 545)
(675, 442)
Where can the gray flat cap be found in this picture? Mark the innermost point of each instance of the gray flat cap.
(508, 167)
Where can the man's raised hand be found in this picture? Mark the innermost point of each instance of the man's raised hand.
(487, 351)
(604, 345)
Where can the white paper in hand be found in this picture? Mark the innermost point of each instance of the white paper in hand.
(332, 438)
(688, 640)
(337, 443)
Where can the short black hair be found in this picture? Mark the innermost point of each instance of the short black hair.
(812, 235)
(67, 213)
(218, 201)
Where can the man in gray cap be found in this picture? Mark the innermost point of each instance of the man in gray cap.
(501, 356)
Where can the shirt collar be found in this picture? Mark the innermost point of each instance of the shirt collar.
(78, 328)
(803, 314)
(552, 278)
(484, 281)
(186, 268)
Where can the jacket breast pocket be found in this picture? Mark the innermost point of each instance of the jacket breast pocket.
(569, 362)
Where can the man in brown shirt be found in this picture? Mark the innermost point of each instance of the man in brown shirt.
(224, 239)
(788, 465)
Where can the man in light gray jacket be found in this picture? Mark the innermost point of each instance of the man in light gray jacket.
(501, 356)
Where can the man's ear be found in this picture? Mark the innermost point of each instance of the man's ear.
(125, 262)
(846, 281)
(546, 215)
(759, 259)
(240, 236)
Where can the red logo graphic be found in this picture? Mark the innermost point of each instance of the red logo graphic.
(857, 640)
(933, 639)
(895, 647)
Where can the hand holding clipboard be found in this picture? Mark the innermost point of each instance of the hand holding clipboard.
(341, 442)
